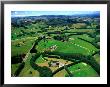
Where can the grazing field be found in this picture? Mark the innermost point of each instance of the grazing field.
(22, 46)
(61, 73)
(28, 70)
(14, 67)
(40, 59)
(84, 45)
(55, 45)
(82, 70)
(73, 46)
(84, 36)
(82, 30)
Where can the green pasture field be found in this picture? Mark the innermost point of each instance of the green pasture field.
(14, 67)
(82, 30)
(21, 46)
(21, 32)
(82, 70)
(28, 70)
(84, 36)
(40, 59)
(84, 45)
(61, 73)
(72, 46)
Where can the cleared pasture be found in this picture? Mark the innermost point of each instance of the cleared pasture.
(82, 70)
(28, 70)
(61, 73)
(71, 46)
(21, 46)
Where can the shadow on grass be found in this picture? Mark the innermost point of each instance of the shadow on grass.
(87, 59)
(21, 66)
(44, 71)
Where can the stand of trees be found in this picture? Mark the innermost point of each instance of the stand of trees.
(44, 71)
(17, 59)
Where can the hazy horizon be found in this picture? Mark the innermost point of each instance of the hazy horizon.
(40, 13)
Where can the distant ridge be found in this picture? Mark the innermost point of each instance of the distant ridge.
(96, 14)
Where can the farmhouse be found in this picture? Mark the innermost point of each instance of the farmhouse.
(56, 64)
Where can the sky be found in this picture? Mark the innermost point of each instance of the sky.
(39, 13)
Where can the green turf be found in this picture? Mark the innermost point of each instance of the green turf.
(18, 47)
(27, 68)
(61, 73)
(97, 58)
(72, 46)
(85, 45)
(82, 30)
(40, 60)
(84, 36)
(14, 67)
(82, 70)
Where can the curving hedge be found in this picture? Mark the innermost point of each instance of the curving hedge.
(44, 71)
(69, 73)
(87, 59)
(21, 66)
(93, 43)
(33, 50)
